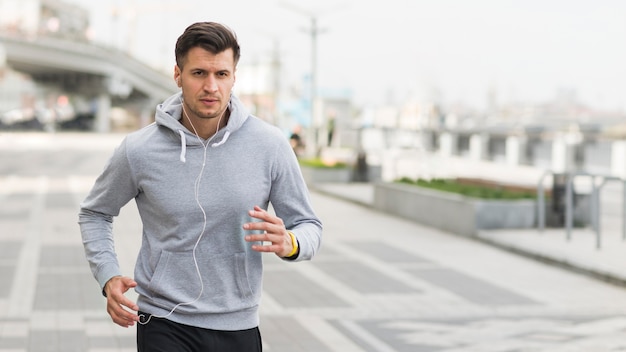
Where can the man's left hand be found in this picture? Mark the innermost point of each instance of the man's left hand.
(274, 238)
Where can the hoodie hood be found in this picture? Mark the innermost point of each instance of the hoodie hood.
(169, 112)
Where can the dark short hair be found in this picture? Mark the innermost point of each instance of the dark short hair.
(210, 36)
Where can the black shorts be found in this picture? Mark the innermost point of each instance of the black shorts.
(162, 335)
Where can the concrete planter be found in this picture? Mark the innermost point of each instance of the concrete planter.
(313, 175)
(452, 212)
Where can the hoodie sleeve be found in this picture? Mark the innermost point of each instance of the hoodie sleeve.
(112, 190)
(291, 202)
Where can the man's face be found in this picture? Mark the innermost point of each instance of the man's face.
(206, 80)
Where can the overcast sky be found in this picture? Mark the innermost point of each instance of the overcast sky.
(454, 50)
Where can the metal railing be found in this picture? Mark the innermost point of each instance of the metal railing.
(597, 182)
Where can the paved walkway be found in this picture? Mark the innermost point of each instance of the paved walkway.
(579, 253)
(379, 283)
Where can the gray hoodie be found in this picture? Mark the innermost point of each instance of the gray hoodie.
(192, 239)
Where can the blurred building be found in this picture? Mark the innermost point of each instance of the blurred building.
(23, 102)
(48, 17)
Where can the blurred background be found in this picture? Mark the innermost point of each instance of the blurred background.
(493, 92)
(538, 83)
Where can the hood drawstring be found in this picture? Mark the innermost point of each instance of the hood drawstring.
(183, 146)
(217, 144)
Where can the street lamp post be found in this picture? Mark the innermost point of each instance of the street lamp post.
(312, 132)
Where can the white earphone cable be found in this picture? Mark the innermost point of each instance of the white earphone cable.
(197, 198)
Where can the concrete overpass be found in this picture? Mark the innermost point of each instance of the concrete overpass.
(89, 70)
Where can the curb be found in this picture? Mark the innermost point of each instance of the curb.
(563, 264)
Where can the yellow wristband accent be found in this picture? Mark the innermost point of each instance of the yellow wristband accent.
(294, 243)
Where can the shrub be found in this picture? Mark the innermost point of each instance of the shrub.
(319, 163)
(493, 191)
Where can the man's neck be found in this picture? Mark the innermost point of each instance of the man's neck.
(206, 128)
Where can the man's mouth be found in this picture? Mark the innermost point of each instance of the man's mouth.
(209, 100)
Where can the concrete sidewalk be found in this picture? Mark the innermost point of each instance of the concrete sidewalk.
(379, 283)
(579, 253)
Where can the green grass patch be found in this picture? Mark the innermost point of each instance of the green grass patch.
(322, 164)
(493, 191)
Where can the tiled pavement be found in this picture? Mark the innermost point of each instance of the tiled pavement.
(379, 283)
(600, 254)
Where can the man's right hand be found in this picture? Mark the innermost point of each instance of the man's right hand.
(117, 302)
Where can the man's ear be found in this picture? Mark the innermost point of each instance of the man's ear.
(177, 75)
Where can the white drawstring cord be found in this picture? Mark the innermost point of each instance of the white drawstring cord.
(217, 144)
(183, 146)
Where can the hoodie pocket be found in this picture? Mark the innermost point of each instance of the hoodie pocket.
(224, 282)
